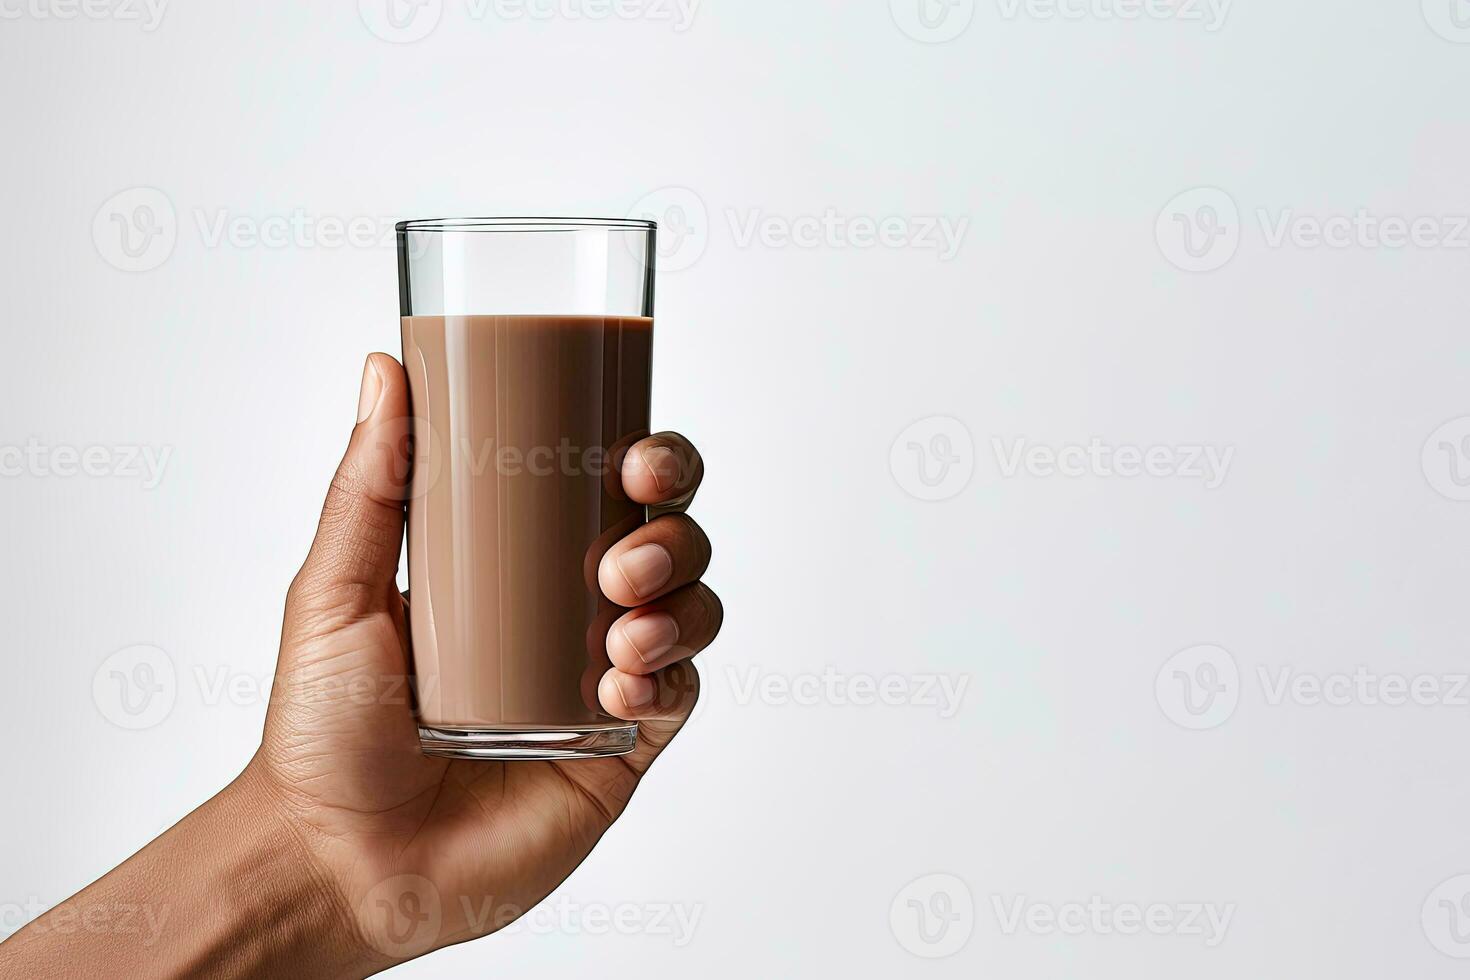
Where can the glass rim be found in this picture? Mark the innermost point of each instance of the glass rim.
(504, 224)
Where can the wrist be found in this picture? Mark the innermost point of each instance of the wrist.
(287, 916)
(229, 891)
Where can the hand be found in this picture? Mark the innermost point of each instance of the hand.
(419, 852)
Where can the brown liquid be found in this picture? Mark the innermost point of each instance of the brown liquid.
(520, 424)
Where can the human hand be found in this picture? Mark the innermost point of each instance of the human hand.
(419, 852)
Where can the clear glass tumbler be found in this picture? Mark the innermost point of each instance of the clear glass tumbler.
(528, 345)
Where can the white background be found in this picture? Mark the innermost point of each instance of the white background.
(1334, 541)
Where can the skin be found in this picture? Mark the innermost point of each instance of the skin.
(342, 850)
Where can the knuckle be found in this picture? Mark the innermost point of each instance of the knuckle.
(678, 690)
(712, 611)
(324, 594)
(700, 542)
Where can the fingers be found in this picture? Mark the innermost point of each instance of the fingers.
(666, 553)
(665, 631)
(660, 703)
(664, 470)
(657, 568)
(355, 553)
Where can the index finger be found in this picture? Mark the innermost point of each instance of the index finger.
(664, 468)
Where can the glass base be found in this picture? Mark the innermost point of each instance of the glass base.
(506, 745)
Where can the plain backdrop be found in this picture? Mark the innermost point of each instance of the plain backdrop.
(837, 365)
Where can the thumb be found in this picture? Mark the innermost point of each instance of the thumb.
(353, 562)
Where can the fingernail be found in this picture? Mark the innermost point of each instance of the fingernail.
(636, 691)
(372, 390)
(646, 568)
(652, 636)
(663, 465)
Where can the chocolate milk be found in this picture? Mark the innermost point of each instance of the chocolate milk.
(520, 425)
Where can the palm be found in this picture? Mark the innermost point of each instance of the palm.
(344, 749)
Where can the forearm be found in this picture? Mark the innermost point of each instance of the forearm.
(226, 892)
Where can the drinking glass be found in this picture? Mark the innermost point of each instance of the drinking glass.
(528, 344)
